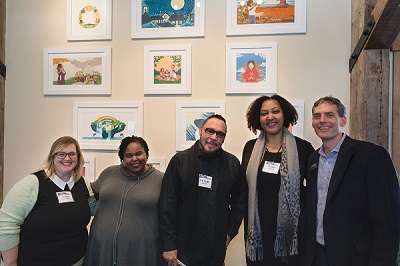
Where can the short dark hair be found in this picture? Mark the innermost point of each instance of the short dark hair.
(290, 115)
(217, 116)
(332, 100)
(128, 140)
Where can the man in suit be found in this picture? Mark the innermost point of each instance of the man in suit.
(352, 209)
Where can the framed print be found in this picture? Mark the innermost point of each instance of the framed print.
(158, 163)
(167, 18)
(298, 129)
(251, 68)
(89, 20)
(102, 126)
(189, 118)
(77, 71)
(167, 69)
(88, 168)
(253, 17)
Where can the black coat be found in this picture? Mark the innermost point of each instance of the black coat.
(361, 218)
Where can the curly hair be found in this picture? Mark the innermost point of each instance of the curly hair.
(290, 115)
(128, 140)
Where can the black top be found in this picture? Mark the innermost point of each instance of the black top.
(215, 222)
(268, 186)
(55, 233)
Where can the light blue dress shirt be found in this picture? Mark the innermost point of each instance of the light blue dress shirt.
(325, 169)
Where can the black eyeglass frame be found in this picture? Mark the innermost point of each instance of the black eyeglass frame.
(211, 131)
(62, 155)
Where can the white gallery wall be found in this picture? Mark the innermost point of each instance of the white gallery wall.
(310, 66)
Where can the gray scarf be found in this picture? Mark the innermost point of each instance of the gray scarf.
(288, 204)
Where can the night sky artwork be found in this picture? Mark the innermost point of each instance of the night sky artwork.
(168, 13)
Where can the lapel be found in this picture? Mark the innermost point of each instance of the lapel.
(312, 178)
(345, 153)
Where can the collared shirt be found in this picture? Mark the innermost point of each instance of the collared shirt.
(61, 184)
(325, 169)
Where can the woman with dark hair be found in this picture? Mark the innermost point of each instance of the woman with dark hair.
(44, 216)
(125, 228)
(274, 167)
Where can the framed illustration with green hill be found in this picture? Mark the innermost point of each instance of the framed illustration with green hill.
(77, 71)
(259, 17)
(102, 125)
(167, 18)
(167, 69)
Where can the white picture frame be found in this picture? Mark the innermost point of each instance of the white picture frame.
(102, 125)
(167, 69)
(251, 68)
(158, 163)
(89, 20)
(77, 71)
(189, 117)
(88, 170)
(298, 129)
(268, 21)
(148, 21)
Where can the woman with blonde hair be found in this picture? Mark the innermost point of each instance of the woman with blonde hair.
(44, 216)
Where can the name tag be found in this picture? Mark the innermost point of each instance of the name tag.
(205, 181)
(271, 167)
(64, 197)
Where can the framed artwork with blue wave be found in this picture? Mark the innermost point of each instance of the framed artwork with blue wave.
(190, 117)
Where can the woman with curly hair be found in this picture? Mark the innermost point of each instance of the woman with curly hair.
(273, 166)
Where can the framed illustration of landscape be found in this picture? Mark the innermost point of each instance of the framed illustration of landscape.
(89, 20)
(251, 68)
(102, 125)
(189, 118)
(167, 69)
(167, 18)
(259, 17)
(77, 71)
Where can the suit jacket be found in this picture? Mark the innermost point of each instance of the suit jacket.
(361, 218)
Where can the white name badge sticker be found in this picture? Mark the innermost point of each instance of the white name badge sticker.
(271, 167)
(205, 181)
(64, 197)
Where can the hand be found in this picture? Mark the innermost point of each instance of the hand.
(171, 257)
(228, 240)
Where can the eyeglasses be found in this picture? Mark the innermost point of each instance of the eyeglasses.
(62, 155)
(211, 132)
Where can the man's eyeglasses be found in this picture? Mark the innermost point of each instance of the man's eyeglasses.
(211, 132)
(62, 155)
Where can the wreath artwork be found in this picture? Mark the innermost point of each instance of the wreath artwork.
(86, 10)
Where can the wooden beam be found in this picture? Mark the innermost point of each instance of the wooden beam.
(386, 14)
(396, 44)
(369, 83)
(2, 92)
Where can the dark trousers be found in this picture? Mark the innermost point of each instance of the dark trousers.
(190, 262)
(320, 256)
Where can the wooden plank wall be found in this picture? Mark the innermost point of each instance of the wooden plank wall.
(2, 92)
(396, 104)
(369, 83)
